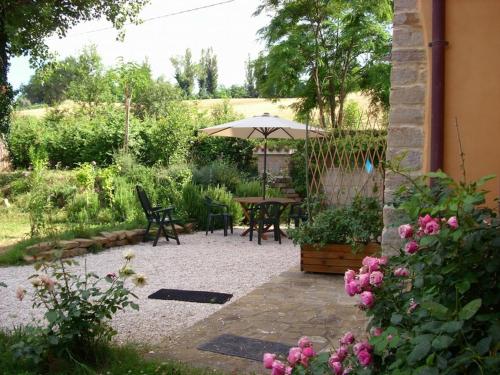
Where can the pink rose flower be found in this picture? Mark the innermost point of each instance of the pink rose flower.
(389, 337)
(352, 288)
(347, 370)
(304, 342)
(341, 353)
(453, 222)
(405, 231)
(20, 293)
(412, 247)
(423, 221)
(376, 278)
(278, 368)
(377, 331)
(288, 370)
(336, 367)
(432, 227)
(268, 360)
(401, 271)
(294, 356)
(364, 280)
(347, 339)
(304, 360)
(363, 270)
(364, 345)
(48, 282)
(413, 305)
(111, 275)
(309, 351)
(367, 299)
(349, 276)
(364, 358)
(383, 260)
(372, 263)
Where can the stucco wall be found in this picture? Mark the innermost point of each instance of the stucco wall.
(472, 93)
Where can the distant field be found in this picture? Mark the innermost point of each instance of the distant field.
(247, 107)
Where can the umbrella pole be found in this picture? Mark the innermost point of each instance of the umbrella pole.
(264, 177)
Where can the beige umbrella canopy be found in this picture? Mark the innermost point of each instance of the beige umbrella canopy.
(264, 127)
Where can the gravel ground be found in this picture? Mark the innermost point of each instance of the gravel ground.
(215, 263)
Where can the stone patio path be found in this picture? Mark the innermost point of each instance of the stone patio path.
(291, 305)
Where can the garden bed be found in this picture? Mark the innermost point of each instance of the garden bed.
(333, 258)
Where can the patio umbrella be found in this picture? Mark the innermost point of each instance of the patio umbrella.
(264, 127)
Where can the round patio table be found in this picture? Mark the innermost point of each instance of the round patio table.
(247, 202)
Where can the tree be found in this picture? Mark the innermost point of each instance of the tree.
(320, 50)
(129, 79)
(207, 73)
(24, 25)
(185, 72)
(250, 84)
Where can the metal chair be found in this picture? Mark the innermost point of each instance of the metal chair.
(266, 215)
(218, 210)
(159, 216)
(297, 214)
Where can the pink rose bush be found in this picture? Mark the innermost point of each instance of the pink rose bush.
(341, 361)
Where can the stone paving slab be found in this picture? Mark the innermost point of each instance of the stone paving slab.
(291, 305)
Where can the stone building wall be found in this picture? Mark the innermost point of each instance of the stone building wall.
(408, 99)
(278, 161)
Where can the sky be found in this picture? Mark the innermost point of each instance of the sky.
(229, 28)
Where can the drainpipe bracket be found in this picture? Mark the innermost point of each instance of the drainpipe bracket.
(438, 42)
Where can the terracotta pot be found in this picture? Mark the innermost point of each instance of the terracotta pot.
(334, 258)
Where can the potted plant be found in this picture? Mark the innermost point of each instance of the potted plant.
(339, 238)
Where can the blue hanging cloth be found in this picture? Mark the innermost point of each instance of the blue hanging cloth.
(368, 166)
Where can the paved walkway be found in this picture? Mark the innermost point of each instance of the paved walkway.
(291, 305)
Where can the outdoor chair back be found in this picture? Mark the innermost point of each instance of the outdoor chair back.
(297, 214)
(264, 216)
(160, 216)
(215, 211)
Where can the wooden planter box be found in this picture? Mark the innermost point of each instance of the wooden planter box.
(334, 258)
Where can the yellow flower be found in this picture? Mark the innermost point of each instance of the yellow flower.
(139, 280)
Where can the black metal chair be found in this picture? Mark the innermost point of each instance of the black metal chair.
(297, 214)
(218, 210)
(264, 216)
(159, 216)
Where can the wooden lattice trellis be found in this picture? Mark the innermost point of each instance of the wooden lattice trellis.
(348, 161)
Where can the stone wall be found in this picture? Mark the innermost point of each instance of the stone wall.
(278, 161)
(408, 98)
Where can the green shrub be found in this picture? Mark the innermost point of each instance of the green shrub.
(359, 223)
(253, 188)
(84, 208)
(194, 203)
(353, 115)
(85, 176)
(218, 173)
(125, 204)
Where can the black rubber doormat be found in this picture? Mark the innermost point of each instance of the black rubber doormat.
(191, 296)
(244, 347)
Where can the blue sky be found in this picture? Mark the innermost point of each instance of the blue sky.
(230, 29)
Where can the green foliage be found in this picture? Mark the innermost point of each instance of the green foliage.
(206, 74)
(353, 115)
(445, 312)
(25, 28)
(38, 201)
(298, 170)
(318, 50)
(77, 311)
(113, 360)
(194, 203)
(185, 72)
(218, 173)
(356, 224)
(253, 188)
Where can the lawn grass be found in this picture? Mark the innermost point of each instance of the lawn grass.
(14, 226)
(118, 360)
(14, 255)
